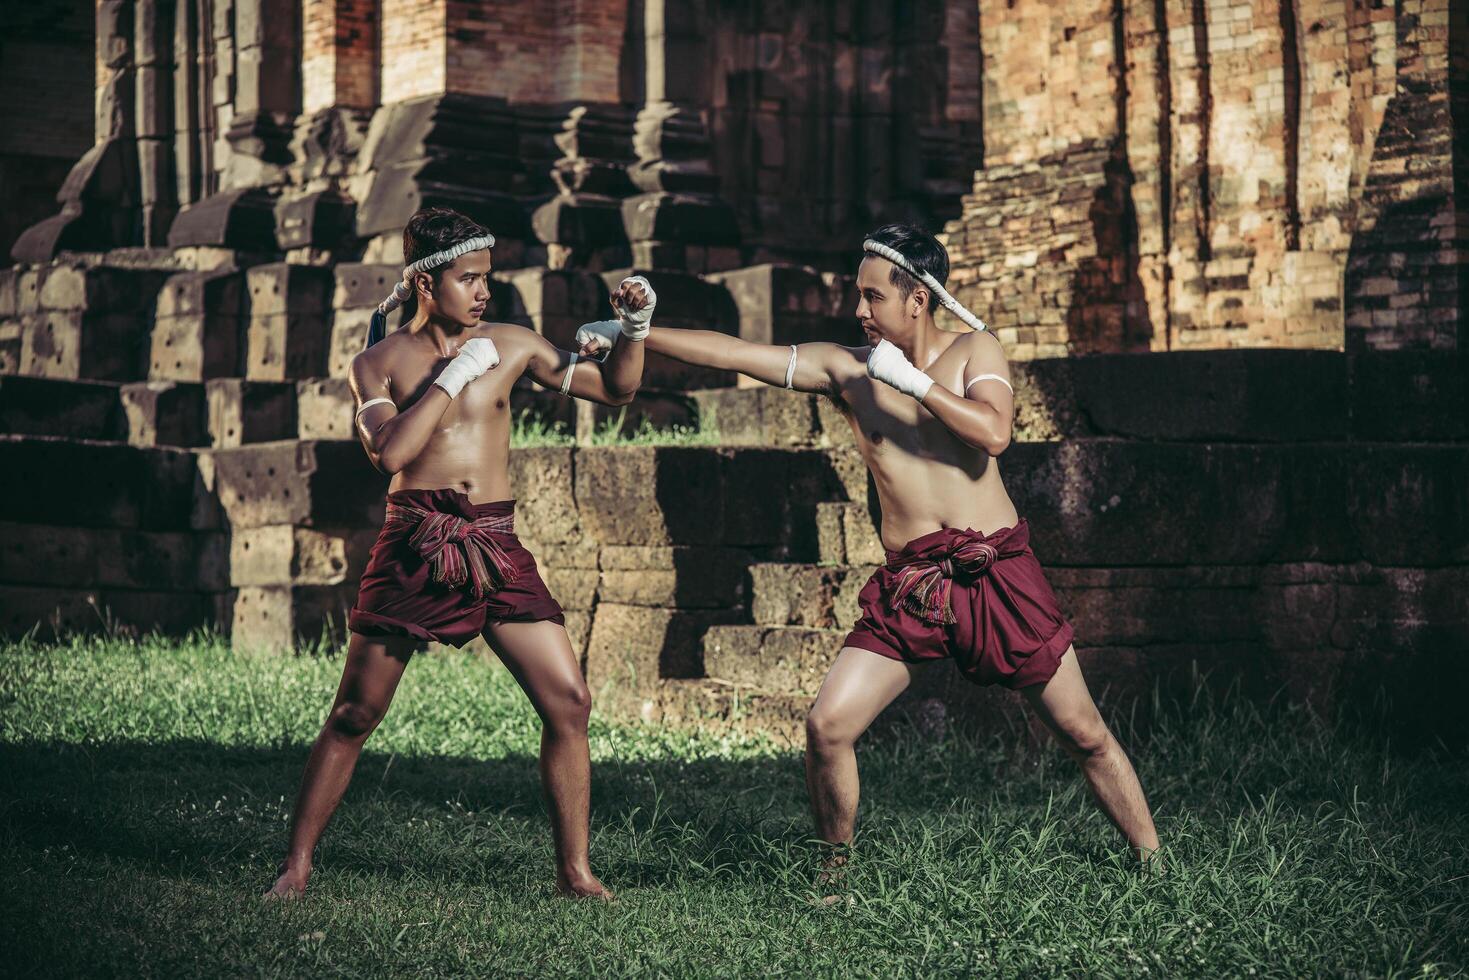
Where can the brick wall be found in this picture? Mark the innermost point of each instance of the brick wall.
(339, 58)
(1268, 173)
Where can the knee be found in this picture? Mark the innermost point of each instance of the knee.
(1085, 742)
(569, 712)
(825, 732)
(354, 719)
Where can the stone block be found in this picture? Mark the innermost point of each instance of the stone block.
(282, 288)
(286, 554)
(674, 578)
(200, 330)
(100, 289)
(640, 495)
(632, 647)
(780, 660)
(165, 413)
(73, 483)
(1410, 396)
(324, 409)
(546, 496)
(287, 617)
(814, 596)
(314, 484)
(243, 412)
(58, 611)
(81, 557)
(83, 344)
(55, 407)
(362, 285)
(287, 346)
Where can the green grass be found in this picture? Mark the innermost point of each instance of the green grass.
(147, 787)
(533, 431)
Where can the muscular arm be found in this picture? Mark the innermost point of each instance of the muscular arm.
(984, 416)
(612, 382)
(392, 439)
(817, 365)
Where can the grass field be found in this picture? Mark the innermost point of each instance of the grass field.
(147, 788)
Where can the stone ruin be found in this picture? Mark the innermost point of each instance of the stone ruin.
(1148, 184)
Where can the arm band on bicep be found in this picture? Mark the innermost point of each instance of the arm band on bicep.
(371, 402)
(570, 370)
(988, 377)
(791, 368)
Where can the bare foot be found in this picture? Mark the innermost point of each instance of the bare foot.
(831, 880)
(290, 885)
(583, 885)
(1151, 861)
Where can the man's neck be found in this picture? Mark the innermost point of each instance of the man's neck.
(446, 335)
(925, 344)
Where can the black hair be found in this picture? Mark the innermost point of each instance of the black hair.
(432, 230)
(922, 251)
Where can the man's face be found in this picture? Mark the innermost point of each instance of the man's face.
(461, 290)
(882, 310)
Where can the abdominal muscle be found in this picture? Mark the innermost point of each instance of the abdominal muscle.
(471, 458)
(921, 495)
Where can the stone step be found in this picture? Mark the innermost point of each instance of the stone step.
(113, 558)
(80, 483)
(785, 660)
(669, 496)
(57, 407)
(286, 554)
(814, 596)
(53, 610)
(285, 617)
(846, 535)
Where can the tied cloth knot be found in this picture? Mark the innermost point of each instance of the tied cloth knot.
(459, 551)
(926, 584)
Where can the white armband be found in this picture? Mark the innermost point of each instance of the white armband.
(570, 370)
(375, 401)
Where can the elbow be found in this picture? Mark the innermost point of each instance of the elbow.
(996, 443)
(386, 461)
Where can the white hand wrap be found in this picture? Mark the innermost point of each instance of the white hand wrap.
(477, 356)
(601, 334)
(890, 366)
(635, 324)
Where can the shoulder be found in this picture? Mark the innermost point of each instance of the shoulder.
(372, 364)
(982, 348)
(511, 337)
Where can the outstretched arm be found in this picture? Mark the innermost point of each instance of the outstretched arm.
(817, 367)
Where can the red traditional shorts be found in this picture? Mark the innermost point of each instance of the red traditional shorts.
(981, 599)
(434, 535)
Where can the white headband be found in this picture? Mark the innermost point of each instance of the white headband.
(949, 303)
(404, 288)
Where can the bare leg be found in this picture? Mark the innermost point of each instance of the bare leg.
(859, 685)
(1066, 707)
(374, 667)
(539, 655)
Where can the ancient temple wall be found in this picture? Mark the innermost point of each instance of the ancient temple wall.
(1174, 174)
(339, 54)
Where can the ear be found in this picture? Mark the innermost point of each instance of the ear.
(423, 283)
(919, 299)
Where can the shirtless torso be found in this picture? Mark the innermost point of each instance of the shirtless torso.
(927, 478)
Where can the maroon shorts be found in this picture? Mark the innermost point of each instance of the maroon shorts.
(1006, 629)
(398, 597)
